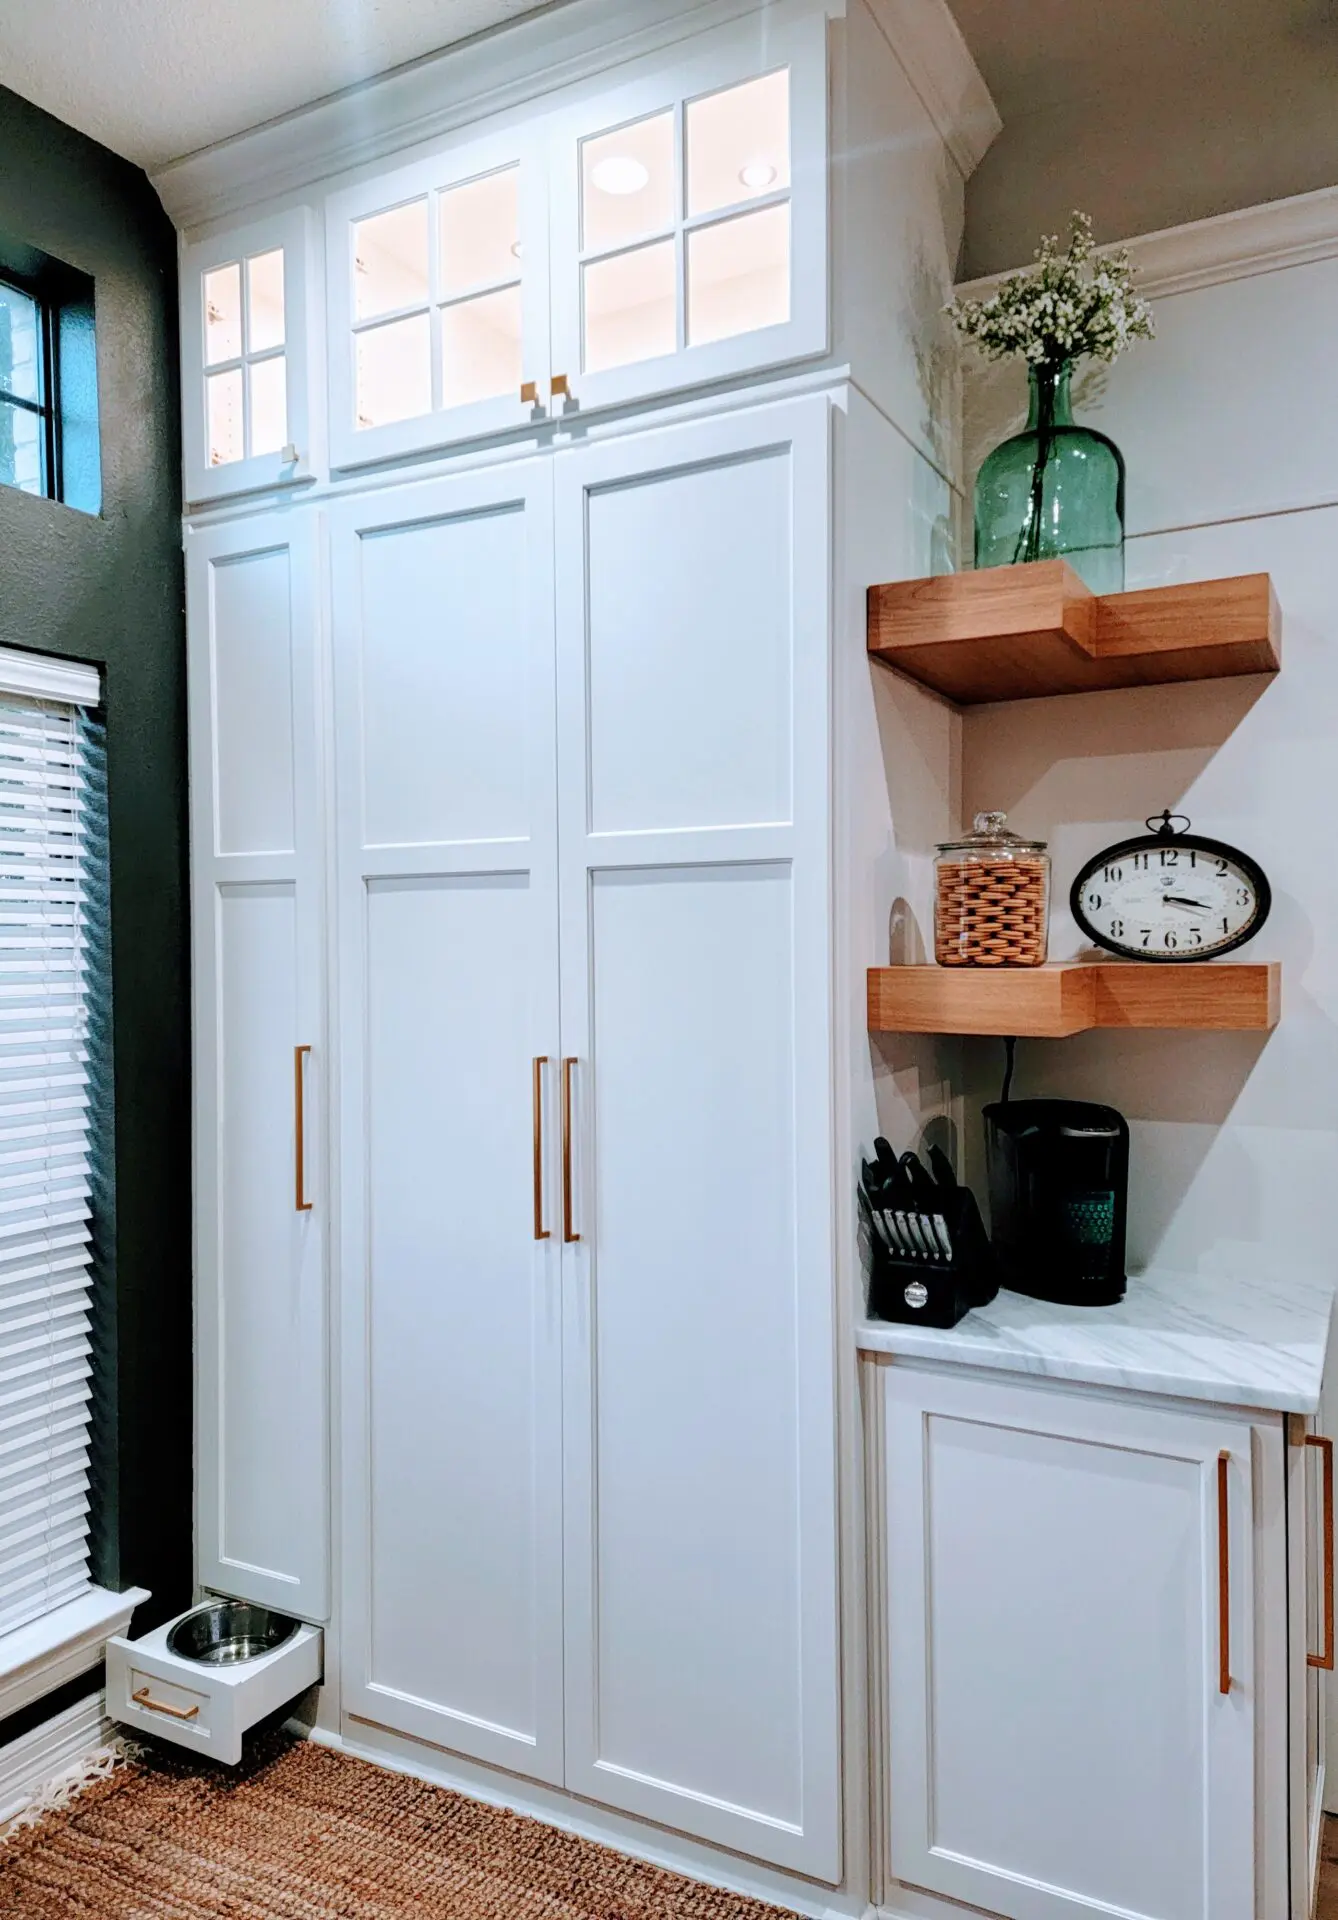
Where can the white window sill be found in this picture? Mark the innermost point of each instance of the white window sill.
(36, 1659)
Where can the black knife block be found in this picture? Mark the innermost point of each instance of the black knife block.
(936, 1293)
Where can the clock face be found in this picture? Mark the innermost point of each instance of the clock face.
(1180, 898)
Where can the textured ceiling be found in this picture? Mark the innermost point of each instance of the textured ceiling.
(154, 79)
(1146, 113)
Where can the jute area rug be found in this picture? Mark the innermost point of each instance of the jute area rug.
(298, 1832)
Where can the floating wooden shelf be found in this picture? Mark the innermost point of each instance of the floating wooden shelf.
(1017, 633)
(1053, 1001)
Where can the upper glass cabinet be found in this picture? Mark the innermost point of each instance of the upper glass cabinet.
(438, 301)
(244, 359)
(667, 230)
(689, 233)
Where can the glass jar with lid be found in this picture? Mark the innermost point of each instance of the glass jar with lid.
(991, 898)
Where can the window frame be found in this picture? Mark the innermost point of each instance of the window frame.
(47, 408)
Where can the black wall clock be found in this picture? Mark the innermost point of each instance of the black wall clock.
(1171, 895)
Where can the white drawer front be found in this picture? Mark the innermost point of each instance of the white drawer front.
(207, 1709)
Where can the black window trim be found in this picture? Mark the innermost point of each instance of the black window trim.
(48, 407)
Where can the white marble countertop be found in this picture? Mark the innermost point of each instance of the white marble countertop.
(1256, 1341)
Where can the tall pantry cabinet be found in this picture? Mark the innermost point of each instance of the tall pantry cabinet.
(517, 590)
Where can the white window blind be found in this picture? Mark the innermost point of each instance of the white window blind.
(52, 840)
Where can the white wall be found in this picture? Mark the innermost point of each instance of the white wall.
(1229, 424)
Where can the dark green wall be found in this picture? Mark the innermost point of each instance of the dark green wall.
(109, 589)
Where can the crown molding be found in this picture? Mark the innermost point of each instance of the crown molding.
(938, 63)
(1230, 246)
(428, 98)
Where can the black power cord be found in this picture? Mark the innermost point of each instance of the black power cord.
(1010, 1050)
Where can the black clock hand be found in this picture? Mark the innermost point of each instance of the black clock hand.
(1176, 900)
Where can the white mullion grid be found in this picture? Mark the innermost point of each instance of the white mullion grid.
(45, 1358)
(680, 224)
(244, 270)
(434, 302)
(756, 203)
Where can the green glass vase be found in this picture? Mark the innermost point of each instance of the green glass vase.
(1054, 490)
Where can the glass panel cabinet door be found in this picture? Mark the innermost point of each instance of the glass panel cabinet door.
(689, 221)
(438, 301)
(245, 362)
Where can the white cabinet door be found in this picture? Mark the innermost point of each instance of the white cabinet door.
(1060, 1743)
(249, 356)
(689, 217)
(444, 690)
(438, 300)
(701, 1663)
(1310, 1496)
(261, 1062)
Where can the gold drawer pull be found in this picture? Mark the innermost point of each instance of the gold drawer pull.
(569, 1233)
(529, 393)
(1325, 1659)
(560, 387)
(144, 1699)
(1223, 1575)
(540, 1230)
(303, 1205)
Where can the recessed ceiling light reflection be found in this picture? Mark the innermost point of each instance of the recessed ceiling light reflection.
(619, 173)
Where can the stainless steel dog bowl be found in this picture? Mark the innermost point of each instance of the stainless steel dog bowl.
(226, 1632)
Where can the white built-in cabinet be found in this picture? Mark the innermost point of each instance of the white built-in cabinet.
(1102, 1620)
(262, 1215)
(512, 460)
(582, 1049)
(585, 1044)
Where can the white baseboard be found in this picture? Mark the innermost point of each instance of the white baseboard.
(555, 1808)
(29, 1764)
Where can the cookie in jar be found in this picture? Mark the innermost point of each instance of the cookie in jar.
(991, 898)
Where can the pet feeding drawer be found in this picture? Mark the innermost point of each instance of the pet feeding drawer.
(204, 1678)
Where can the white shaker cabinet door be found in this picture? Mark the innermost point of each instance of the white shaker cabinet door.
(701, 1661)
(689, 217)
(261, 1062)
(1060, 1740)
(443, 667)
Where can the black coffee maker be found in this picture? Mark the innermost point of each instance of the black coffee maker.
(1059, 1190)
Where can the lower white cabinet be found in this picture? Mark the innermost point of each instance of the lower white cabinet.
(583, 1046)
(1082, 1711)
(261, 1063)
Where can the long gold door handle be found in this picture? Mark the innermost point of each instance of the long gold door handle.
(1223, 1574)
(144, 1699)
(302, 1204)
(1325, 1659)
(540, 1230)
(567, 1234)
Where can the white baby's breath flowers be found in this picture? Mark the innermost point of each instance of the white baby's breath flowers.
(1070, 304)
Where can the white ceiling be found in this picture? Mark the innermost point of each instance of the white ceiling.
(154, 79)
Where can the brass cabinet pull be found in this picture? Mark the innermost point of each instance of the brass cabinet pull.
(529, 393)
(567, 1233)
(1325, 1659)
(301, 1202)
(560, 387)
(1223, 1574)
(540, 1230)
(144, 1699)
